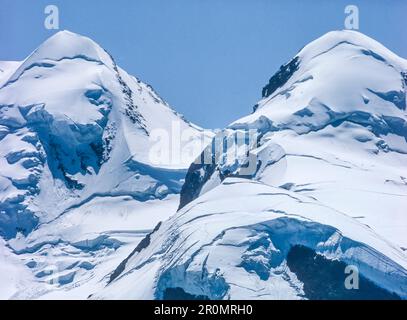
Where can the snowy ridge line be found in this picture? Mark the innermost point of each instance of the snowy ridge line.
(303, 52)
(336, 110)
(85, 134)
(143, 244)
(46, 63)
(131, 110)
(89, 214)
(74, 166)
(173, 226)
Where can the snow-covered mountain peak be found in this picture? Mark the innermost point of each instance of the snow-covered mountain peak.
(64, 45)
(344, 87)
(335, 38)
(282, 214)
(68, 44)
(324, 185)
(344, 70)
(340, 106)
(75, 125)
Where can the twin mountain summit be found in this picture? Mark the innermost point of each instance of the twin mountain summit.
(86, 213)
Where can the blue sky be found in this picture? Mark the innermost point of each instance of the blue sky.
(208, 58)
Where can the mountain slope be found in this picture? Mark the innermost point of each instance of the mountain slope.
(324, 177)
(338, 130)
(7, 68)
(79, 183)
(74, 126)
(233, 244)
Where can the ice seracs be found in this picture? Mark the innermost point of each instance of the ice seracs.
(329, 185)
(76, 176)
(341, 120)
(75, 126)
(320, 187)
(233, 242)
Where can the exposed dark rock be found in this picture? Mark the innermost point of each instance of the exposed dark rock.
(324, 279)
(142, 245)
(281, 77)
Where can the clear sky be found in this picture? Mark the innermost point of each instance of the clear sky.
(208, 58)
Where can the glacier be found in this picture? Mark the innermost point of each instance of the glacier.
(319, 183)
(78, 187)
(328, 183)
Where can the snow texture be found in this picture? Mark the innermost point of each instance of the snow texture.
(77, 187)
(84, 213)
(329, 176)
